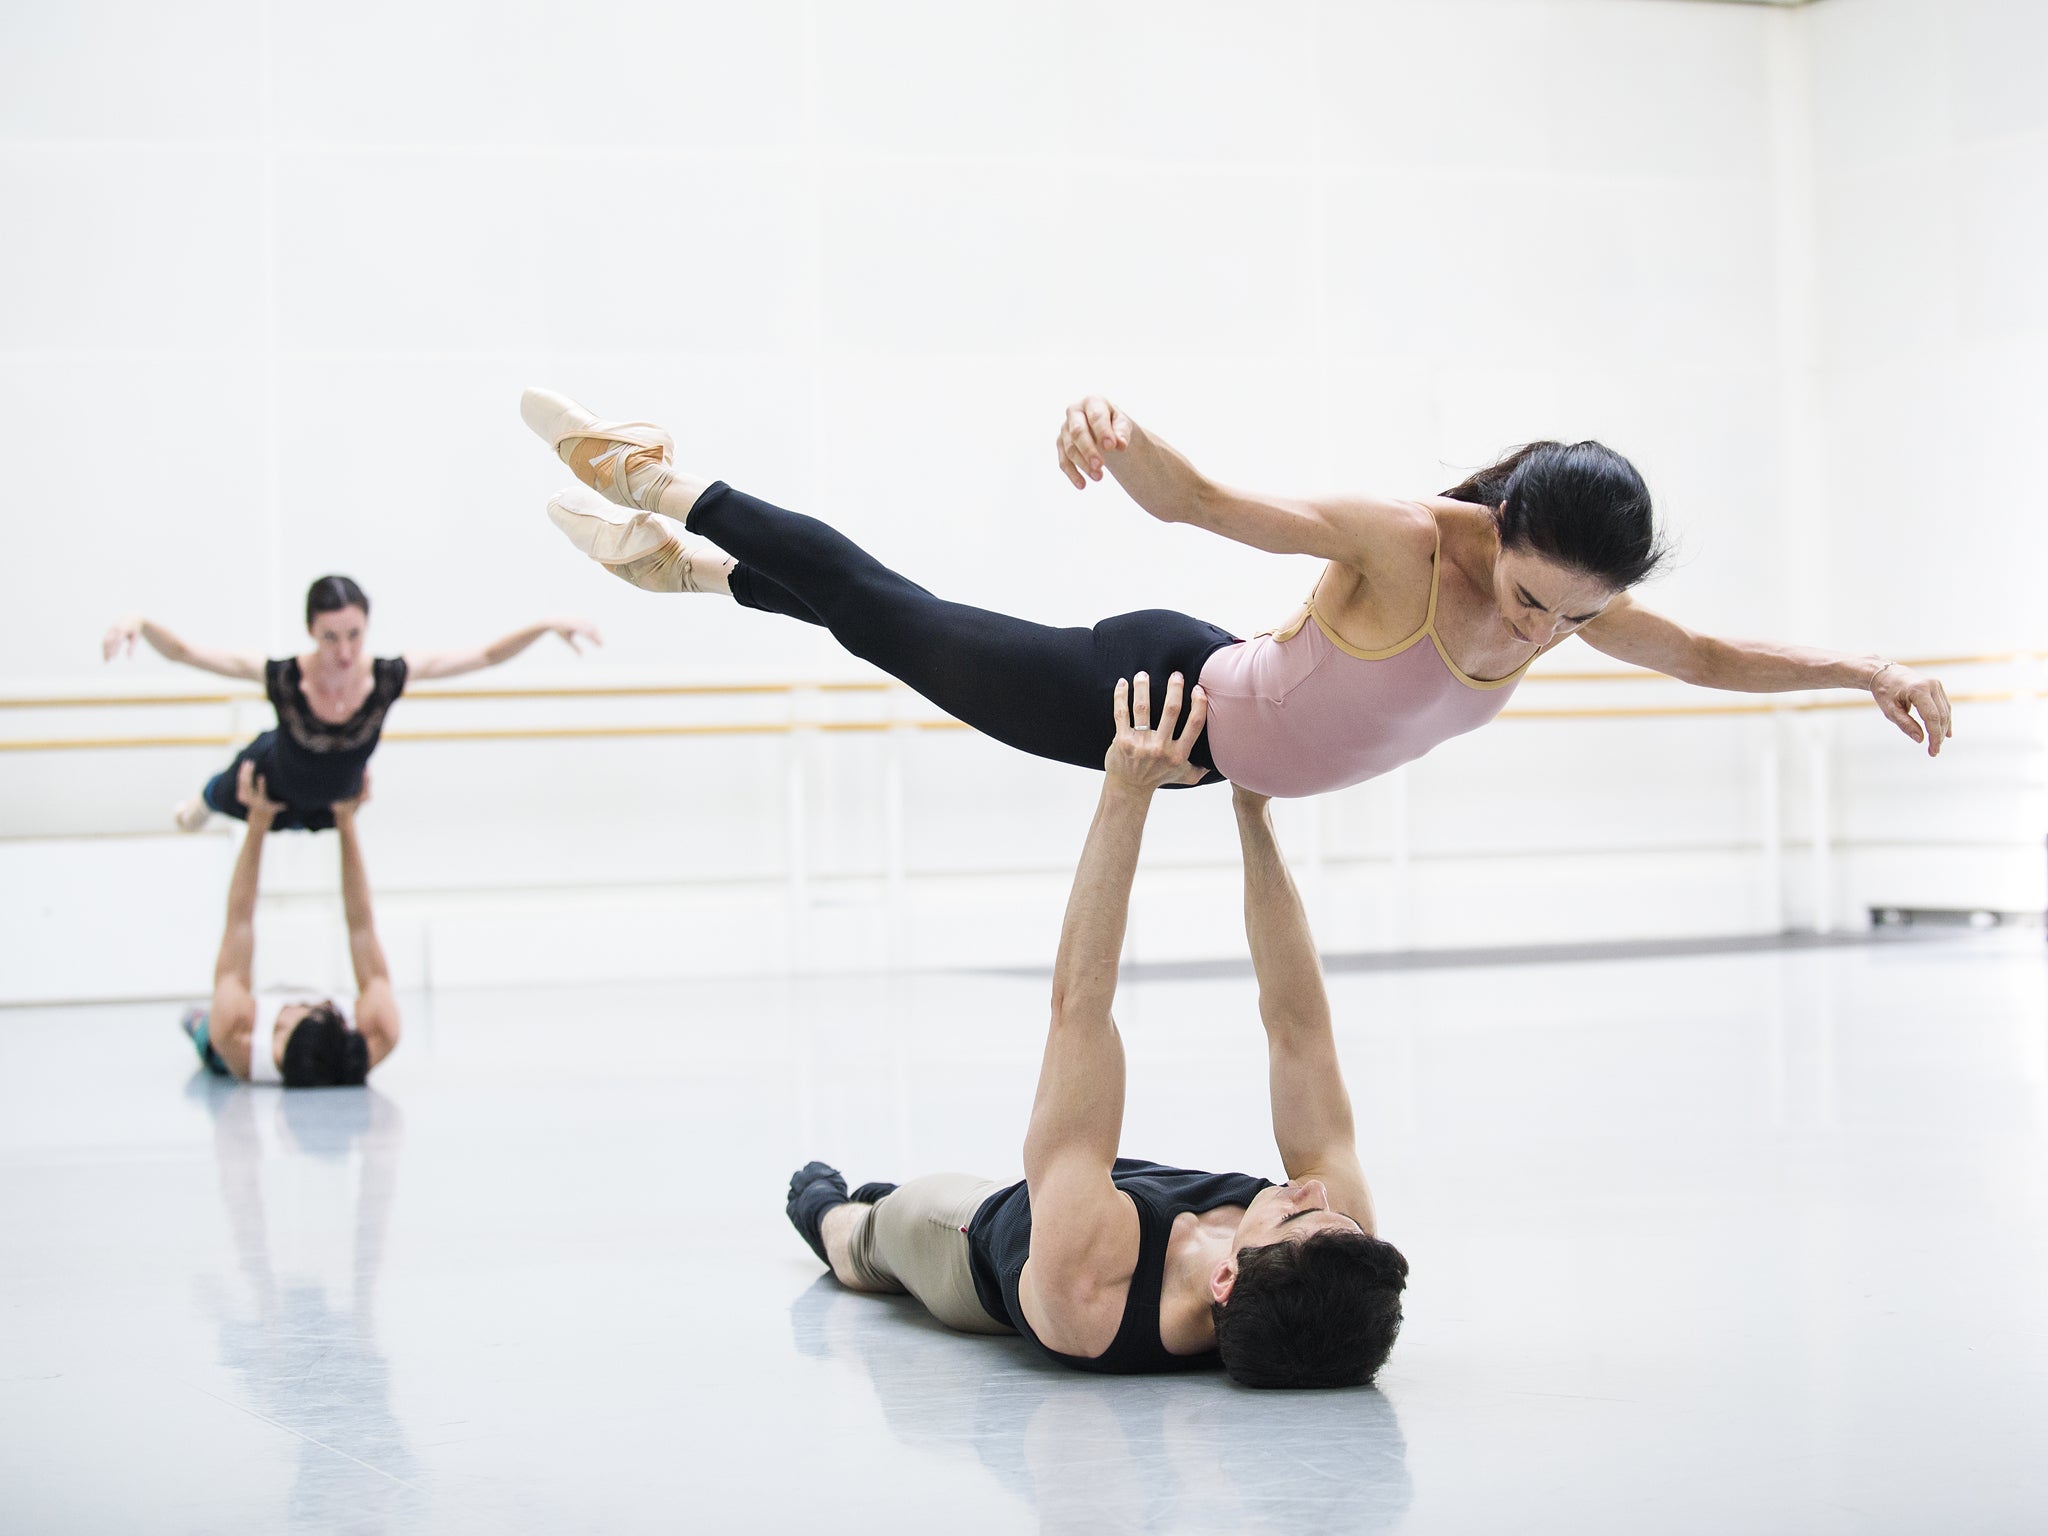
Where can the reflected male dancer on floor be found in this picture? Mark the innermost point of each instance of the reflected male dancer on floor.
(1106, 1455)
(1116, 1265)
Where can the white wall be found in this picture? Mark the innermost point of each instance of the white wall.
(285, 269)
(1930, 141)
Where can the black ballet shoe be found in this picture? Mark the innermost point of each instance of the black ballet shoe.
(868, 1194)
(814, 1189)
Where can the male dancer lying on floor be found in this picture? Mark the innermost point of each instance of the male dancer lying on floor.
(293, 1037)
(1111, 1264)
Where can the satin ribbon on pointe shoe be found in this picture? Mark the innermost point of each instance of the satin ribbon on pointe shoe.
(632, 471)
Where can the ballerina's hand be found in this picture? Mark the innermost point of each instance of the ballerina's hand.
(120, 636)
(1093, 429)
(255, 795)
(1901, 693)
(572, 630)
(1146, 755)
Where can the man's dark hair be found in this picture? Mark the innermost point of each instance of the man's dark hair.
(323, 1052)
(1322, 1312)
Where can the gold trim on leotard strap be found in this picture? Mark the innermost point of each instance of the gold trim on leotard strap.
(1309, 611)
(1293, 626)
(1484, 684)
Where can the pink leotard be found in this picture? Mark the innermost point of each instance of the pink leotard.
(1300, 711)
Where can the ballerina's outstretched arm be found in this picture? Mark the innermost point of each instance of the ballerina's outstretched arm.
(1630, 632)
(455, 663)
(1096, 437)
(123, 633)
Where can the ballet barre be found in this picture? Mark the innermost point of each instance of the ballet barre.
(1779, 704)
(1796, 743)
(855, 727)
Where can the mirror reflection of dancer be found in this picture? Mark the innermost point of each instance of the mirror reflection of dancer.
(299, 1332)
(295, 1038)
(1427, 613)
(1116, 1265)
(1102, 1455)
(330, 702)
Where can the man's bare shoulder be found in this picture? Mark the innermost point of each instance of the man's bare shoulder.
(1075, 1284)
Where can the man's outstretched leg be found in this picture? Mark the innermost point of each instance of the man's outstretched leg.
(909, 1239)
(817, 1194)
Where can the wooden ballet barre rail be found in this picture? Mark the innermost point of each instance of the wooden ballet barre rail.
(653, 690)
(124, 701)
(794, 727)
(1917, 663)
(878, 685)
(87, 743)
(599, 691)
(1805, 707)
(506, 733)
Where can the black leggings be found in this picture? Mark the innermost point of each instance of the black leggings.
(1044, 691)
(223, 793)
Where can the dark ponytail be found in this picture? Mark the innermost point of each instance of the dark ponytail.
(1580, 504)
(331, 594)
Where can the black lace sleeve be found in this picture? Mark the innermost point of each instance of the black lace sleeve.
(391, 675)
(277, 682)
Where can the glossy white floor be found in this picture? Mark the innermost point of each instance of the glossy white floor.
(1744, 1242)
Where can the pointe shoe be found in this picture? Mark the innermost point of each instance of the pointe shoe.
(192, 815)
(642, 549)
(626, 462)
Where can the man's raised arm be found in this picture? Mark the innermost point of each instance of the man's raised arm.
(376, 1006)
(1084, 1233)
(231, 1016)
(1311, 1110)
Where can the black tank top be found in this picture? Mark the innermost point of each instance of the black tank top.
(999, 1241)
(313, 761)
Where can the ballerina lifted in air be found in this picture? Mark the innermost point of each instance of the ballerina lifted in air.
(330, 702)
(1426, 615)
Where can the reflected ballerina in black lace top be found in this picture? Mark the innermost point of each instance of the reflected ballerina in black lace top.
(330, 702)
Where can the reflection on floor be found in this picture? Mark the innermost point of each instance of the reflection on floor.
(1702, 1242)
